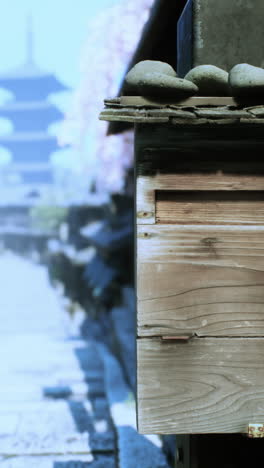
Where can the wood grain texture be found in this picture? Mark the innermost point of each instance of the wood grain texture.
(210, 207)
(224, 140)
(145, 201)
(147, 185)
(200, 271)
(196, 162)
(207, 280)
(209, 385)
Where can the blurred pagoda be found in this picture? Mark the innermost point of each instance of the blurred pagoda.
(31, 114)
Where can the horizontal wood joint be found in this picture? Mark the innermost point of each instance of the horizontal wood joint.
(178, 338)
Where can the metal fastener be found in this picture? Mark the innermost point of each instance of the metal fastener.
(180, 338)
(256, 431)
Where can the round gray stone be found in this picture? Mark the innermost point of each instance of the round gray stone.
(161, 85)
(211, 80)
(146, 66)
(246, 81)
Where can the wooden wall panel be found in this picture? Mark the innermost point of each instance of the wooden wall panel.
(147, 186)
(200, 273)
(204, 280)
(208, 385)
(210, 207)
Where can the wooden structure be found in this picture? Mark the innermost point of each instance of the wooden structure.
(200, 268)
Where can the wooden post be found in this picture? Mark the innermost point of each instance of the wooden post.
(182, 458)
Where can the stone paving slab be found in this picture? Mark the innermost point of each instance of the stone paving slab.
(36, 352)
(44, 428)
(53, 461)
(31, 287)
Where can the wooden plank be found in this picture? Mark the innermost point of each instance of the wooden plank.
(183, 452)
(190, 102)
(210, 207)
(201, 182)
(213, 141)
(209, 385)
(207, 280)
(146, 186)
(204, 162)
(145, 201)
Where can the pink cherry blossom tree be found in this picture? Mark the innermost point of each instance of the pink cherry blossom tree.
(111, 41)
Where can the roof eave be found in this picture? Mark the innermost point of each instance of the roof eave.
(154, 44)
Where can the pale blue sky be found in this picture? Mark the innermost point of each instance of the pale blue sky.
(60, 29)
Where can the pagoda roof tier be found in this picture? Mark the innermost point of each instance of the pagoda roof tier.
(29, 83)
(37, 177)
(46, 166)
(30, 116)
(33, 173)
(29, 147)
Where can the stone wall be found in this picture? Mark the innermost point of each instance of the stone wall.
(221, 33)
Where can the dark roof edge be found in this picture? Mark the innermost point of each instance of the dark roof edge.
(148, 45)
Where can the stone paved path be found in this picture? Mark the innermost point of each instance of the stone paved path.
(53, 410)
